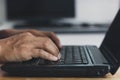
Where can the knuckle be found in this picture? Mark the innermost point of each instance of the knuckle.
(26, 35)
(47, 40)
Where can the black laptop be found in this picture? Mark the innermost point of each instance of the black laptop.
(78, 61)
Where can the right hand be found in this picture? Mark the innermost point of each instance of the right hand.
(25, 46)
(10, 32)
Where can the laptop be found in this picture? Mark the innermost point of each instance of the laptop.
(86, 60)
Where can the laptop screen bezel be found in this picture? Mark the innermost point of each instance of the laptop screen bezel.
(111, 43)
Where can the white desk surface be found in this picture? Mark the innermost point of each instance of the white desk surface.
(81, 39)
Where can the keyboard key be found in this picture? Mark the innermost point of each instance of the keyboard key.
(40, 61)
(63, 53)
(68, 55)
(76, 55)
(83, 55)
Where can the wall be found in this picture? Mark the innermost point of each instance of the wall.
(91, 11)
(2, 10)
(96, 10)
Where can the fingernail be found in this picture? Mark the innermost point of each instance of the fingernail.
(59, 56)
(54, 58)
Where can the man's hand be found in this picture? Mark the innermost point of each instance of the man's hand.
(28, 44)
(10, 32)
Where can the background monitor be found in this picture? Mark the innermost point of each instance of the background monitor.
(39, 9)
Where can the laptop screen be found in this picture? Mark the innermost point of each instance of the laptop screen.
(112, 39)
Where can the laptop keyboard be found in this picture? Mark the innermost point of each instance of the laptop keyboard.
(73, 54)
(69, 55)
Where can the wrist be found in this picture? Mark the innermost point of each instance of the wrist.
(2, 49)
(1, 45)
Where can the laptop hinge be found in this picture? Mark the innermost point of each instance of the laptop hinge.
(114, 64)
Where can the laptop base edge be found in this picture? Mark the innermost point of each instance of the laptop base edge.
(79, 71)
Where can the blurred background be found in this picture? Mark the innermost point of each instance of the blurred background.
(60, 16)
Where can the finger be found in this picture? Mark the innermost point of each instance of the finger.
(51, 48)
(43, 54)
(47, 44)
(54, 38)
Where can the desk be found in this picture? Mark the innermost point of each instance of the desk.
(71, 39)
